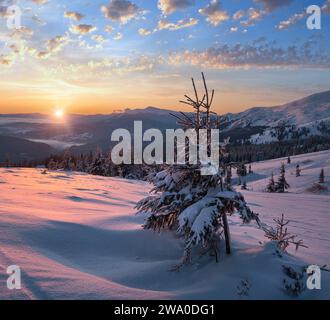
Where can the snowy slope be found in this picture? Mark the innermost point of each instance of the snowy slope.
(300, 112)
(302, 118)
(76, 236)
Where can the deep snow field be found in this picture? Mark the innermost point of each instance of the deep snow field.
(76, 236)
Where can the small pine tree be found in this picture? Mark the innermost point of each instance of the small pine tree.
(244, 186)
(289, 160)
(193, 204)
(322, 177)
(282, 184)
(250, 169)
(298, 171)
(271, 187)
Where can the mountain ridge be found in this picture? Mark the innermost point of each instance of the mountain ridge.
(298, 119)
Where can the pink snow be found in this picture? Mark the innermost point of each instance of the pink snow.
(76, 236)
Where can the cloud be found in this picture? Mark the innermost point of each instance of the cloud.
(40, 2)
(108, 29)
(285, 24)
(22, 33)
(164, 24)
(253, 15)
(144, 32)
(215, 15)
(120, 10)
(6, 60)
(82, 29)
(239, 14)
(52, 46)
(271, 5)
(118, 36)
(37, 20)
(76, 16)
(170, 6)
(98, 38)
(326, 7)
(56, 44)
(264, 55)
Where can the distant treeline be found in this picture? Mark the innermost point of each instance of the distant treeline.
(99, 163)
(259, 152)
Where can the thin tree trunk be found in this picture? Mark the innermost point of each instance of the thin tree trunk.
(227, 232)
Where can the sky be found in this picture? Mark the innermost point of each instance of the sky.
(102, 56)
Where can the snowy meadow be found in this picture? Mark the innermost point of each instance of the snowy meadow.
(77, 236)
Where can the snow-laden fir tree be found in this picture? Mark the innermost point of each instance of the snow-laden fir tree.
(282, 185)
(271, 187)
(195, 205)
(322, 177)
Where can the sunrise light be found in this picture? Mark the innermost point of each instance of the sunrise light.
(59, 114)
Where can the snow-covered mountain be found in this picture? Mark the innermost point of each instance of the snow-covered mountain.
(300, 112)
(300, 118)
(82, 133)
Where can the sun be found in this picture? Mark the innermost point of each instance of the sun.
(59, 114)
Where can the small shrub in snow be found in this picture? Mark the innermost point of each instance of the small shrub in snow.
(243, 288)
(281, 234)
(295, 283)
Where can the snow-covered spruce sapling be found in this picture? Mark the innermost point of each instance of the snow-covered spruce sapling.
(195, 205)
(282, 185)
(271, 187)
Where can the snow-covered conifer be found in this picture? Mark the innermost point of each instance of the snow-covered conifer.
(282, 184)
(271, 187)
(195, 205)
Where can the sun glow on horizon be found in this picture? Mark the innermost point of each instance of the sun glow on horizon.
(59, 114)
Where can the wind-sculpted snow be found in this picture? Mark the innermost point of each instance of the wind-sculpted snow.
(76, 236)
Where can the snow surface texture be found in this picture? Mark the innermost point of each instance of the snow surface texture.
(76, 236)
